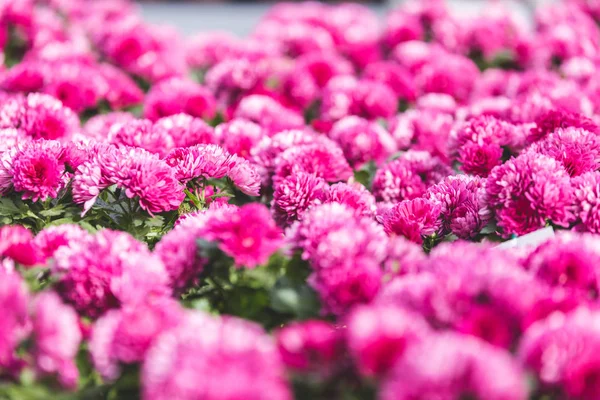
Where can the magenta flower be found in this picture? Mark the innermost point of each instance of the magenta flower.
(295, 194)
(106, 270)
(178, 95)
(576, 149)
(17, 243)
(51, 238)
(451, 366)
(587, 201)
(124, 336)
(529, 191)
(239, 136)
(248, 234)
(16, 324)
(268, 113)
(186, 130)
(57, 337)
(102, 126)
(550, 121)
(362, 141)
(462, 208)
(413, 219)
(378, 336)
(310, 346)
(354, 195)
(210, 360)
(142, 133)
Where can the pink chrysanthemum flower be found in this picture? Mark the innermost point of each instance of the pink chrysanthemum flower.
(39, 116)
(152, 181)
(186, 130)
(355, 196)
(378, 335)
(394, 76)
(254, 362)
(56, 336)
(206, 49)
(124, 336)
(268, 113)
(244, 175)
(550, 121)
(37, 170)
(568, 261)
(239, 136)
(142, 133)
(408, 176)
(452, 366)
(413, 219)
(462, 208)
(16, 243)
(345, 251)
(562, 351)
(231, 79)
(527, 192)
(50, 239)
(576, 149)
(247, 234)
(16, 324)
(200, 161)
(327, 162)
(179, 252)
(403, 256)
(362, 141)
(587, 201)
(295, 194)
(178, 95)
(106, 270)
(102, 126)
(310, 346)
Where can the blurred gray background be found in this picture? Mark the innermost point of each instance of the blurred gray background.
(240, 18)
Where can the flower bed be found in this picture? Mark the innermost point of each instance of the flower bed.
(334, 207)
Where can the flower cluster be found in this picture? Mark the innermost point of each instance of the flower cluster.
(332, 207)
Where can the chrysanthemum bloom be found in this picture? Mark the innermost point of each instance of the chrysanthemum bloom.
(106, 270)
(39, 116)
(178, 95)
(311, 72)
(56, 338)
(450, 73)
(310, 346)
(248, 234)
(413, 219)
(578, 150)
(327, 162)
(218, 364)
(550, 121)
(16, 243)
(186, 130)
(527, 192)
(568, 261)
(239, 136)
(562, 351)
(178, 251)
(354, 195)
(152, 181)
(462, 208)
(479, 143)
(345, 251)
(402, 26)
(231, 79)
(403, 256)
(345, 95)
(408, 176)
(393, 75)
(452, 366)
(15, 325)
(102, 126)
(38, 170)
(295, 194)
(244, 175)
(378, 335)
(52, 238)
(362, 141)
(587, 201)
(268, 113)
(206, 49)
(142, 133)
(124, 336)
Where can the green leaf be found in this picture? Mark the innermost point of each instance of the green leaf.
(296, 299)
(8, 207)
(53, 212)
